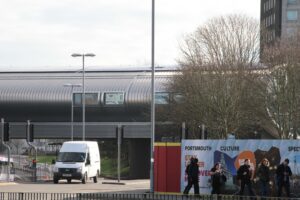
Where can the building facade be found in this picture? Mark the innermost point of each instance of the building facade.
(279, 19)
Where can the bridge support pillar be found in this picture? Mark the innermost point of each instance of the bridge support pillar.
(139, 158)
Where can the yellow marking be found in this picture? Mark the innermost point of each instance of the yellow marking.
(172, 193)
(168, 144)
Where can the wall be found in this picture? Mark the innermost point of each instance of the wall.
(167, 167)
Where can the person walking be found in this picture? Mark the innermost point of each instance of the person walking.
(283, 174)
(263, 173)
(245, 177)
(217, 178)
(192, 171)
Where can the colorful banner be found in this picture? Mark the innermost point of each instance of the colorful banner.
(231, 154)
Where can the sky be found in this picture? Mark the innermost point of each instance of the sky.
(42, 34)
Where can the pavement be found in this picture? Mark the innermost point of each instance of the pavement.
(126, 186)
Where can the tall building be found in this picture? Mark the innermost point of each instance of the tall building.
(279, 18)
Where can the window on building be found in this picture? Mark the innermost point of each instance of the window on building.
(265, 7)
(292, 15)
(162, 98)
(265, 22)
(77, 99)
(114, 98)
(91, 99)
(271, 4)
(292, 1)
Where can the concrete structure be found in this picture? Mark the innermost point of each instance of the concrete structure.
(112, 98)
(279, 18)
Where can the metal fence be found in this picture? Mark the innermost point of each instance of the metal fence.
(118, 196)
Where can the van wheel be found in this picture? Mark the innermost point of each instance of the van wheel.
(55, 181)
(69, 180)
(84, 178)
(95, 179)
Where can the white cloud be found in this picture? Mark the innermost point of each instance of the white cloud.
(45, 33)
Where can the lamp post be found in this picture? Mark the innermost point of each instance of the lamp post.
(72, 106)
(83, 89)
(152, 98)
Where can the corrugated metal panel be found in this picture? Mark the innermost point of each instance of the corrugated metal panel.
(38, 94)
(45, 89)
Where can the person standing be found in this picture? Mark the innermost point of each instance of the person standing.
(218, 178)
(245, 176)
(263, 173)
(283, 174)
(192, 171)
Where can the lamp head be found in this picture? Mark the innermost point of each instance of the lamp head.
(89, 54)
(76, 55)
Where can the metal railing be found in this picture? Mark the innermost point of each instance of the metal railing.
(124, 196)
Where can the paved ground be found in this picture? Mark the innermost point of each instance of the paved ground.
(130, 186)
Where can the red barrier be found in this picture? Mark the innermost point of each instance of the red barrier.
(167, 167)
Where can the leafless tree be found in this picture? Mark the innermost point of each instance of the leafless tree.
(216, 70)
(226, 42)
(283, 85)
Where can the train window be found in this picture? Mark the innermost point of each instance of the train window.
(91, 99)
(162, 98)
(114, 98)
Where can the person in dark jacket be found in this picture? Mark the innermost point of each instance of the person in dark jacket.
(263, 173)
(192, 171)
(245, 176)
(217, 178)
(283, 173)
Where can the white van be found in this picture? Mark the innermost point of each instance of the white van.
(78, 160)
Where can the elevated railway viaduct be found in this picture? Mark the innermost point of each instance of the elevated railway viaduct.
(112, 98)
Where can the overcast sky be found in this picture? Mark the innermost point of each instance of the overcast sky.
(42, 34)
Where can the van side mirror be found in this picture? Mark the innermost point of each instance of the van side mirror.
(53, 161)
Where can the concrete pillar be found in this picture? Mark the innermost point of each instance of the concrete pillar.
(139, 158)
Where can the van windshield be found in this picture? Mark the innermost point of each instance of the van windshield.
(71, 157)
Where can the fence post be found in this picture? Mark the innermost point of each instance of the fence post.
(79, 196)
(21, 196)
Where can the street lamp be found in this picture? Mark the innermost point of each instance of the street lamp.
(72, 105)
(83, 89)
(152, 97)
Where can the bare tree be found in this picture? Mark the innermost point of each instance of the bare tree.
(283, 85)
(216, 69)
(226, 42)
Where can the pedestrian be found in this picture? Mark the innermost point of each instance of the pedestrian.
(192, 171)
(283, 174)
(245, 176)
(218, 178)
(263, 174)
